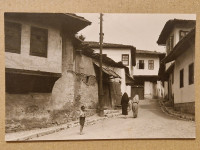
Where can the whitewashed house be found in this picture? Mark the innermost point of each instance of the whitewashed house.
(119, 53)
(177, 69)
(145, 74)
(111, 75)
(40, 63)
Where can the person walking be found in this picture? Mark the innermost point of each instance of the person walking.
(124, 104)
(134, 105)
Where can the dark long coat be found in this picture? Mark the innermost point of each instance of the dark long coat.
(124, 103)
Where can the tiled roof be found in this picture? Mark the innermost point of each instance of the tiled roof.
(169, 27)
(107, 70)
(149, 52)
(94, 44)
(77, 17)
(90, 53)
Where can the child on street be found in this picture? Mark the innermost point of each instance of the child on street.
(82, 119)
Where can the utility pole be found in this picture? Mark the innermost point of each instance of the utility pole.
(101, 103)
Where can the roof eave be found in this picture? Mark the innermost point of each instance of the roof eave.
(162, 37)
(72, 23)
(129, 80)
(170, 24)
(177, 49)
(78, 17)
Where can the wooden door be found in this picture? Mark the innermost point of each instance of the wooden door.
(106, 96)
(138, 91)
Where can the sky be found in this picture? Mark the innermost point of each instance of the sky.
(139, 30)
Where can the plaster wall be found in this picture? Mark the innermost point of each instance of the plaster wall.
(116, 55)
(146, 70)
(175, 33)
(186, 93)
(25, 61)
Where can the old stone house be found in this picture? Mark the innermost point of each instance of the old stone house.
(119, 53)
(177, 69)
(41, 72)
(50, 73)
(114, 74)
(147, 84)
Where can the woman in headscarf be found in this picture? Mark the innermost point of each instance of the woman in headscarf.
(134, 103)
(125, 104)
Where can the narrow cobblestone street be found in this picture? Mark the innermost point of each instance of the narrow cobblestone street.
(151, 123)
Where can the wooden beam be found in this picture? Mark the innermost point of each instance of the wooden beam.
(31, 72)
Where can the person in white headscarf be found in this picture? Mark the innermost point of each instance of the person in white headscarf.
(134, 106)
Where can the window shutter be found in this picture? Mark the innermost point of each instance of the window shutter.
(12, 37)
(38, 44)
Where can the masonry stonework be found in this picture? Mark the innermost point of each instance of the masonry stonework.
(26, 111)
(185, 107)
(70, 91)
(86, 82)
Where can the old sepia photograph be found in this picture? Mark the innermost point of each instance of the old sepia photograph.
(86, 76)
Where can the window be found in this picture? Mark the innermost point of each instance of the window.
(140, 65)
(151, 64)
(12, 37)
(170, 44)
(191, 73)
(38, 44)
(182, 34)
(125, 59)
(168, 47)
(181, 78)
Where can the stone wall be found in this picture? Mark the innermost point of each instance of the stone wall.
(26, 111)
(86, 82)
(36, 110)
(185, 107)
(77, 86)
(87, 90)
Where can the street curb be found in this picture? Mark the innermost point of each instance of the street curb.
(63, 127)
(175, 114)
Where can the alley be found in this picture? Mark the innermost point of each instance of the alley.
(151, 123)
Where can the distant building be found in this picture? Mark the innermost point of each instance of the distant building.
(119, 53)
(177, 69)
(113, 74)
(145, 74)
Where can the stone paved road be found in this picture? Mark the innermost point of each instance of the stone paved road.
(151, 123)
